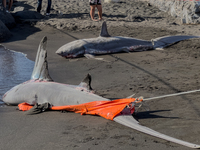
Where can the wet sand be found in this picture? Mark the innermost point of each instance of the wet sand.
(148, 74)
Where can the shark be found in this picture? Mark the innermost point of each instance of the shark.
(106, 44)
(42, 89)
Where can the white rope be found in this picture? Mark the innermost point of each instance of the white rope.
(169, 95)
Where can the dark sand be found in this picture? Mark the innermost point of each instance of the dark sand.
(148, 74)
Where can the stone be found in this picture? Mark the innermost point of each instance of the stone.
(26, 14)
(187, 11)
(7, 18)
(4, 32)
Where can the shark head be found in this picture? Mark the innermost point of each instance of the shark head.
(14, 96)
(72, 49)
(7, 97)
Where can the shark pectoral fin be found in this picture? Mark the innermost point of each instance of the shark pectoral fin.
(125, 49)
(86, 82)
(38, 108)
(131, 96)
(129, 121)
(40, 71)
(159, 49)
(90, 56)
(165, 41)
(104, 31)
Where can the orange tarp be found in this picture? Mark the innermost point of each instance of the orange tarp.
(24, 106)
(106, 109)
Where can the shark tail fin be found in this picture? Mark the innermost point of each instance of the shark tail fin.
(86, 82)
(40, 71)
(104, 31)
(165, 41)
(129, 121)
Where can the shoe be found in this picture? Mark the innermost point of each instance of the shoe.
(7, 11)
(47, 14)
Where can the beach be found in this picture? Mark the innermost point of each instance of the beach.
(148, 74)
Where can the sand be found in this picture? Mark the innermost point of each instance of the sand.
(148, 74)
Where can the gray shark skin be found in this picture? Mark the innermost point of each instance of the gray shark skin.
(105, 44)
(41, 89)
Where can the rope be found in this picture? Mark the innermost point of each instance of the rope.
(169, 95)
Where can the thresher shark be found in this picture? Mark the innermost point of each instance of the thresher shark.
(42, 89)
(106, 44)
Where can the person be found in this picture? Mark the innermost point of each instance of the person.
(9, 5)
(93, 5)
(39, 7)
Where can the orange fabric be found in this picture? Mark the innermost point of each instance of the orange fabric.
(24, 106)
(106, 109)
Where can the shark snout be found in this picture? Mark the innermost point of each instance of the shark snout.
(5, 99)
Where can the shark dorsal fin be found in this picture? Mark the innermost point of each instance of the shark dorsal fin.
(104, 31)
(40, 71)
(86, 82)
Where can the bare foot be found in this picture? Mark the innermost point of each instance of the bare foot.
(100, 19)
(94, 20)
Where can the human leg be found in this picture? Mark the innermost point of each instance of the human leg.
(10, 5)
(4, 3)
(48, 6)
(99, 7)
(92, 11)
(39, 5)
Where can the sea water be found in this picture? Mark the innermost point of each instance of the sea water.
(15, 68)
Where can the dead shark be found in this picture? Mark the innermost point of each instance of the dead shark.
(41, 89)
(106, 44)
